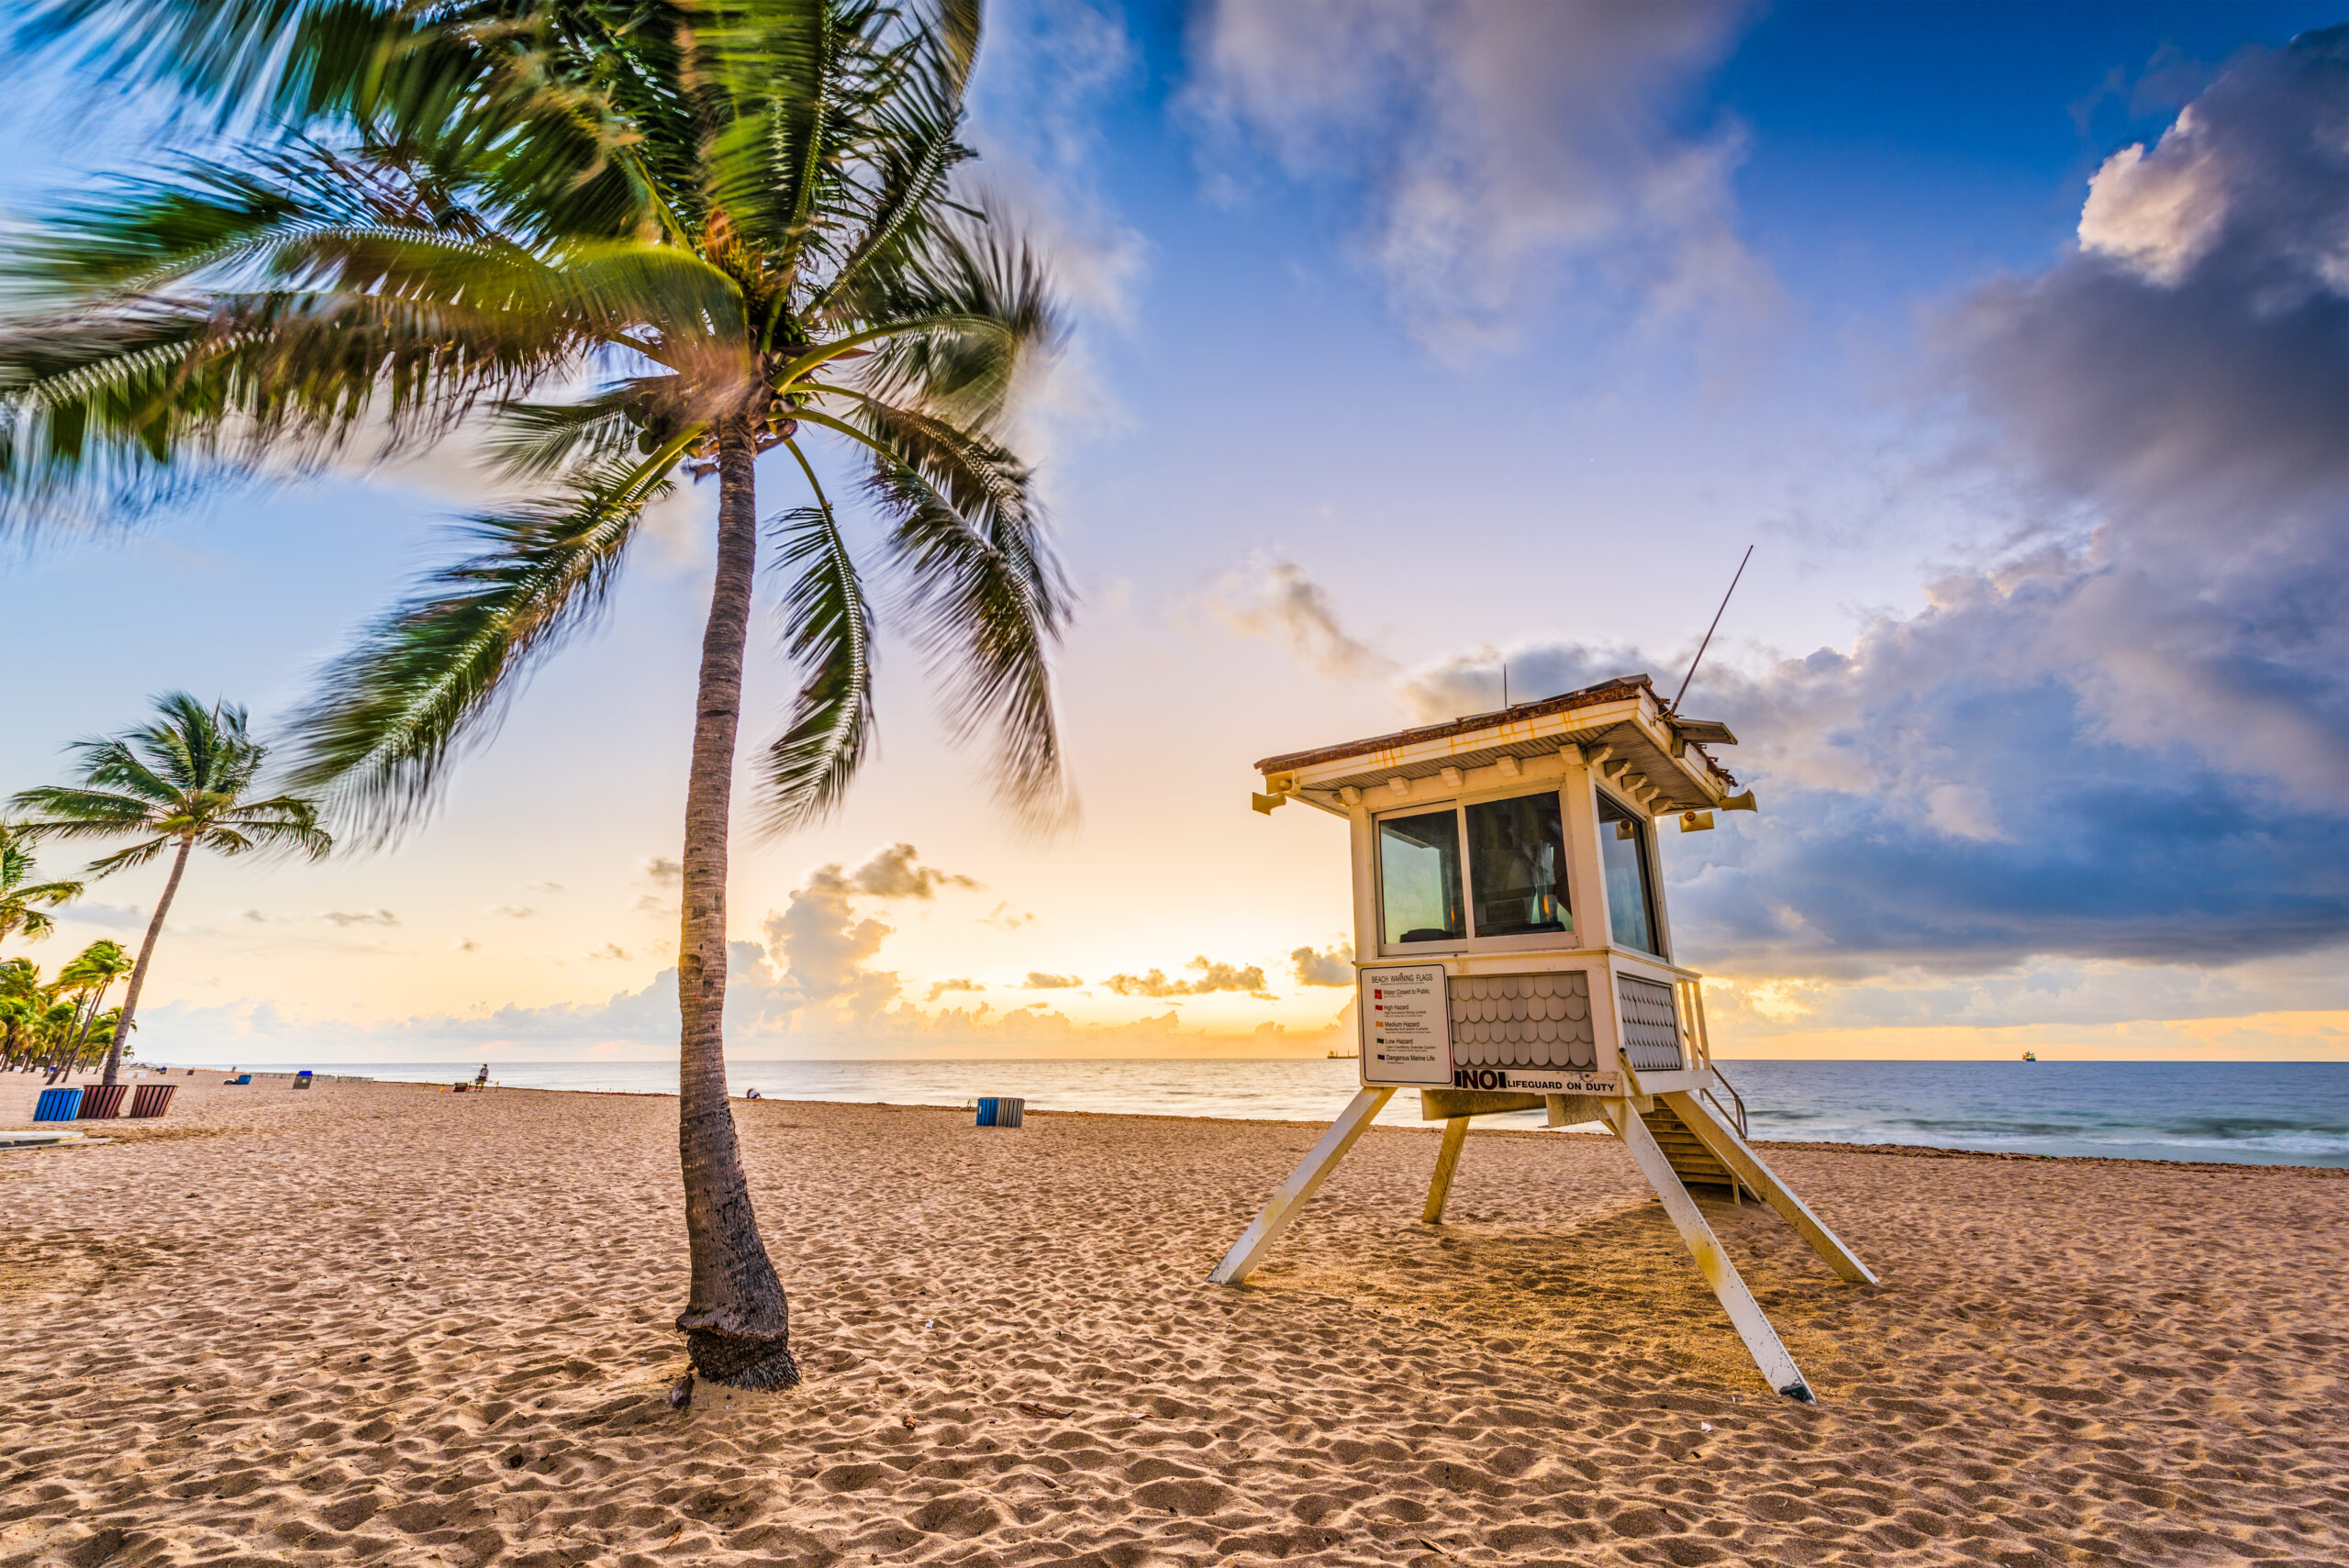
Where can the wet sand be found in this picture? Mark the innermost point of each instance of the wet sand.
(375, 1323)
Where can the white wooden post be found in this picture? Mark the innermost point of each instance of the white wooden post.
(1734, 1152)
(1447, 1161)
(1281, 1210)
(1762, 1340)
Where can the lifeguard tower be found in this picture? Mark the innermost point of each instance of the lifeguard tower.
(1513, 952)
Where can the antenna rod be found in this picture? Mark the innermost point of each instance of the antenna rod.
(1709, 634)
(1504, 686)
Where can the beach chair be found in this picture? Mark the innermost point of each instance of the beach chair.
(58, 1105)
(240, 1078)
(152, 1099)
(102, 1102)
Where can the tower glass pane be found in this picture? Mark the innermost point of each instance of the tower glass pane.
(1623, 856)
(1419, 878)
(1516, 866)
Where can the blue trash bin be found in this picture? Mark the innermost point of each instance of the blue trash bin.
(58, 1105)
(1001, 1111)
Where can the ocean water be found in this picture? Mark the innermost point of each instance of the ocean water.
(2280, 1113)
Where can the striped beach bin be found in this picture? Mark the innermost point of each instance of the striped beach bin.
(152, 1099)
(1001, 1111)
(102, 1102)
(58, 1105)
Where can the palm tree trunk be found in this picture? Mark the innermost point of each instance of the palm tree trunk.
(735, 1322)
(138, 970)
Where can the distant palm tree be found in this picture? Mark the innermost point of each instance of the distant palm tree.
(18, 896)
(174, 785)
(89, 975)
(732, 216)
(21, 1000)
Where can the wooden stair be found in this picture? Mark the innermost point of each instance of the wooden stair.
(1691, 1161)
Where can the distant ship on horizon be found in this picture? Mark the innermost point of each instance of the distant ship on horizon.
(1345, 1056)
(2031, 1056)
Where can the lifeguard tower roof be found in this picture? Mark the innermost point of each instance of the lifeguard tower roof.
(1652, 752)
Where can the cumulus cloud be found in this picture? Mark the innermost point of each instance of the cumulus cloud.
(2122, 741)
(1280, 601)
(2157, 215)
(465, 944)
(896, 872)
(1214, 975)
(662, 872)
(2183, 380)
(346, 917)
(1332, 965)
(941, 988)
(823, 945)
(1038, 980)
(1492, 146)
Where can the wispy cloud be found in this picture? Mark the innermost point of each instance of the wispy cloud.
(1279, 600)
(1039, 980)
(345, 917)
(1490, 146)
(939, 988)
(609, 951)
(513, 911)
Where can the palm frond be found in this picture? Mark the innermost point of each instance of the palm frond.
(996, 313)
(285, 822)
(533, 440)
(809, 766)
(431, 677)
(912, 148)
(241, 59)
(62, 811)
(137, 854)
(979, 584)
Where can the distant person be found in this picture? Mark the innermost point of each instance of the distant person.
(481, 1079)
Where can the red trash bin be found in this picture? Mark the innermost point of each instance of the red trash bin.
(152, 1099)
(102, 1102)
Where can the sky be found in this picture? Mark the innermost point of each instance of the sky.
(1409, 341)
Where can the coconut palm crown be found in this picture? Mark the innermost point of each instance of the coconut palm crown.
(622, 240)
(182, 782)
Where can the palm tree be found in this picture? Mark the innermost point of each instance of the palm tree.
(90, 975)
(178, 782)
(729, 221)
(18, 896)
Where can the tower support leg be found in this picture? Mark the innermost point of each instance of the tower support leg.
(1282, 1209)
(1447, 1164)
(1734, 1152)
(1762, 1342)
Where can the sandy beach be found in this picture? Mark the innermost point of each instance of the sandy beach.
(377, 1323)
